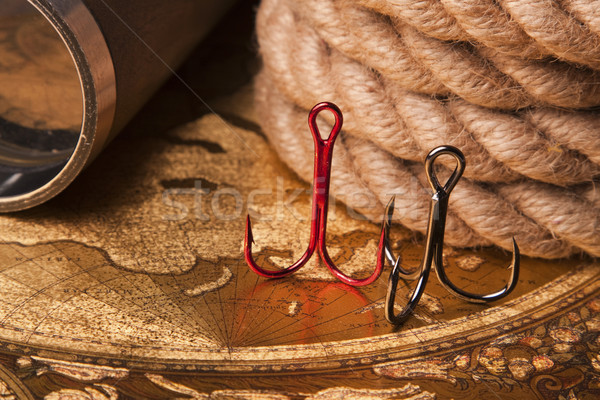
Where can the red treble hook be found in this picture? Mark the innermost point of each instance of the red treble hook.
(322, 174)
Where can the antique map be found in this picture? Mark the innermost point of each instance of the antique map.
(132, 283)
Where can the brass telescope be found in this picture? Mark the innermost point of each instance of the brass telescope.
(73, 73)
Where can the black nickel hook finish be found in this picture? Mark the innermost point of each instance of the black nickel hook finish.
(434, 245)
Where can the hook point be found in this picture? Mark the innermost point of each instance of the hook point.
(516, 255)
(249, 236)
(392, 203)
(389, 210)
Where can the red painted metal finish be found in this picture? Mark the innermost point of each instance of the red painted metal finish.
(322, 174)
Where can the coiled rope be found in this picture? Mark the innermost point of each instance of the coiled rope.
(510, 83)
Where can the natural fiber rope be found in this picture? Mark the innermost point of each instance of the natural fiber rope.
(535, 167)
(528, 29)
(424, 64)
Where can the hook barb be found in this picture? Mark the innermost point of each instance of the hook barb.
(249, 240)
(354, 281)
(513, 279)
(390, 299)
(389, 254)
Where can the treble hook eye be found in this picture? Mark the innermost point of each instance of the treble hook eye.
(454, 178)
(312, 121)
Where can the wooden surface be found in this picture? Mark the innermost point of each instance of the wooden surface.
(132, 283)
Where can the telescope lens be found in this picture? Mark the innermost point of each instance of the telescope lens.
(41, 100)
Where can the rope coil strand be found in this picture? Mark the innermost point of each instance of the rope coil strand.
(513, 84)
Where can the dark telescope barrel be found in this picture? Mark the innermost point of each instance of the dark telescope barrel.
(73, 73)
